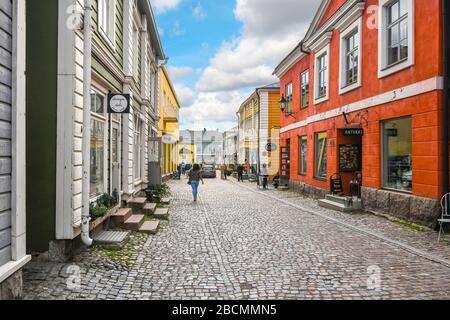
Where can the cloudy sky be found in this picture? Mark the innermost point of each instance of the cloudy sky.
(220, 50)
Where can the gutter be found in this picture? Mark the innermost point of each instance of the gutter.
(87, 77)
(446, 93)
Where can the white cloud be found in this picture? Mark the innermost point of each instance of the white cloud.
(198, 12)
(178, 30)
(185, 94)
(270, 31)
(268, 36)
(179, 73)
(213, 110)
(162, 6)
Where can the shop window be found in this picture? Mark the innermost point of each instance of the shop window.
(303, 155)
(397, 154)
(321, 155)
(98, 145)
(106, 20)
(304, 89)
(396, 34)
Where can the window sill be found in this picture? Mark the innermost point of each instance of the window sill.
(397, 191)
(394, 68)
(321, 100)
(321, 179)
(349, 88)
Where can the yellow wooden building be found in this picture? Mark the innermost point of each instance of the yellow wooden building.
(259, 129)
(169, 123)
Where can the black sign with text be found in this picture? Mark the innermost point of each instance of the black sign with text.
(352, 132)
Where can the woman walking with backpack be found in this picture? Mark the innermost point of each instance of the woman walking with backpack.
(195, 176)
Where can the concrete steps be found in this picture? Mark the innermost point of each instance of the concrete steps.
(328, 204)
(161, 214)
(137, 204)
(135, 222)
(122, 215)
(149, 209)
(342, 204)
(166, 201)
(112, 240)
(150, 227)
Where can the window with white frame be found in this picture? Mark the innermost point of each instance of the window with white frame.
(289, 93)
(106, 19)
(98, 145)
(350, 63)
(322, 74)
(137, 151)
(304, 89)
(396, 34)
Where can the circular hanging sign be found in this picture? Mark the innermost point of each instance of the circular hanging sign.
(119, 103)
(271, 147)
(169, 139)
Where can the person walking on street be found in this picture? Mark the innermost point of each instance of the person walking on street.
(240, 171)
(195, 176)
(225, 172)
(246, 166)
(265, 175)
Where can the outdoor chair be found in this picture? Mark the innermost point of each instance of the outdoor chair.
(445, 218)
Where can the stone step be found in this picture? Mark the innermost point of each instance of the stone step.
(324, 203)
(122, 215)
(149, 209)
(161, 214)
(137, 204)
(135, 222)
(150, 227)
(113, 240)
(346, 201)
(166, 200)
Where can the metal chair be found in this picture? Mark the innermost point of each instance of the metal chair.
(445, 201)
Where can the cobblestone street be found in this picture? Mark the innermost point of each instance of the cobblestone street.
(241, 243)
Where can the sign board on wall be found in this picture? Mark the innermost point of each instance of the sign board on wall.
(119, 103)
(354, 132)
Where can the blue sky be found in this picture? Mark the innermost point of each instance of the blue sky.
(221, 50)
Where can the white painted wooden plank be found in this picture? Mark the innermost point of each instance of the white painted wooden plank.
(5, 220)
(5, 255)
(5, 238)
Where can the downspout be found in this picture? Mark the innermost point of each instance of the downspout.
(87, 64)
(446, 96)
(258, 168)
(302, 49)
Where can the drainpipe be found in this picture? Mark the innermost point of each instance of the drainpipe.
(87, 64)
(446, 93)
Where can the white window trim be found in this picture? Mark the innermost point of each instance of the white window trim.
(326, 50)
(383, 69)
(355, 26)
(104, 35)
(102, 118)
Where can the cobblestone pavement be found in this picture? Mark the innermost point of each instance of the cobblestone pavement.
(239, 243)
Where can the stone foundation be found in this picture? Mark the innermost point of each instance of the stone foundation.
(411, 208)
(11, 288)
(62, 251)
(308, 190)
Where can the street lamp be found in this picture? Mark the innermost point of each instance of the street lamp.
(283, 104)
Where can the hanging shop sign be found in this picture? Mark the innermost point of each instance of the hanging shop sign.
(119, 103)
(169, 139)
(353, 132)
(271, 147)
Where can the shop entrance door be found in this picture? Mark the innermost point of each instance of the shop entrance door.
(115, 158)
(349, 156)
(285, 174)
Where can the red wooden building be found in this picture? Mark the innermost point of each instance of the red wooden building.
(365, 95)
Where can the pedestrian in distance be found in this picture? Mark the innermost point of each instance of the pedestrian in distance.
(265, 176)
(240, 171)
(195, 176)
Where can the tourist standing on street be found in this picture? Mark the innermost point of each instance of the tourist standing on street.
(240, 171)
(195, 176)
(246, 166)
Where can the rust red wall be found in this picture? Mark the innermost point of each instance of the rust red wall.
(425, 109)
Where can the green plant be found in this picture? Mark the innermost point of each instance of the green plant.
(104, 203)
(156, 193)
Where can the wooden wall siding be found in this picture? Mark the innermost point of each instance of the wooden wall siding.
(5, 129)
(117, 53)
